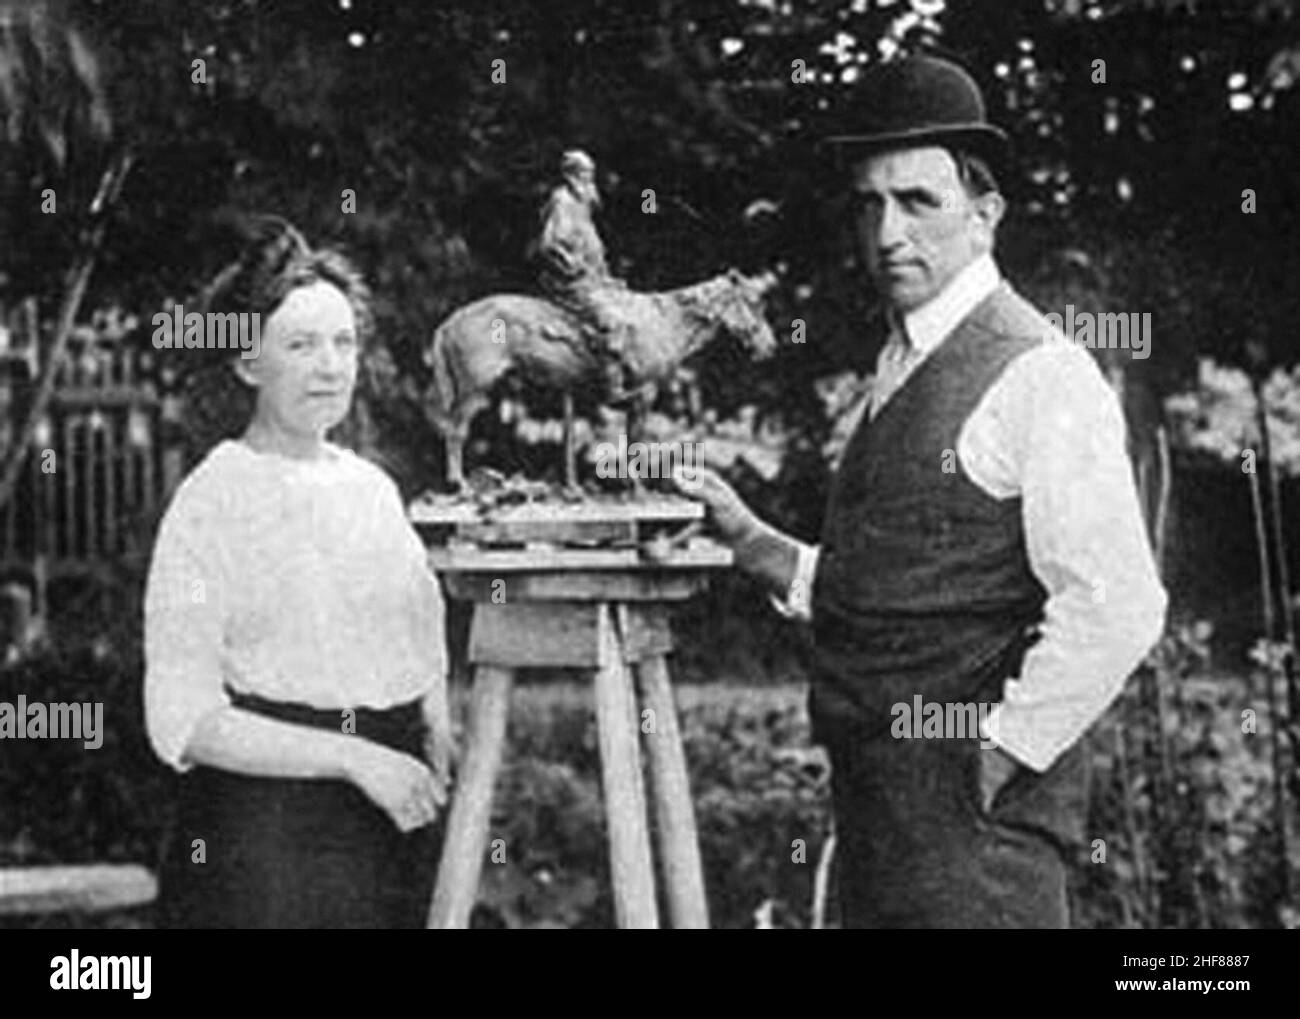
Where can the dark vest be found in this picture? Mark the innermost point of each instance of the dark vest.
(923, 585)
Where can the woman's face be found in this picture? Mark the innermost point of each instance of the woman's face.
(307, 368)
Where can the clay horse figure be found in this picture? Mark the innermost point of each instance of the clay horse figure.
(590, 333)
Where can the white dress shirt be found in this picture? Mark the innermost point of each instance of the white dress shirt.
(1051, 431)
(895, 364)
(295, 580)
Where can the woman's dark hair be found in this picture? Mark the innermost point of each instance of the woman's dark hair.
(274, 261)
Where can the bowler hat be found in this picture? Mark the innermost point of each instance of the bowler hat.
(920, 100)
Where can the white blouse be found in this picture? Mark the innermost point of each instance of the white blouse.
(294, 580)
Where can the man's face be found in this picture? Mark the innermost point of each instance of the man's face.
(917, 225)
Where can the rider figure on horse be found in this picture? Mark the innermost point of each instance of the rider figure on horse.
(573, 272)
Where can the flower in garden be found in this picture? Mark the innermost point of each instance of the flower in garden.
(1220, 416)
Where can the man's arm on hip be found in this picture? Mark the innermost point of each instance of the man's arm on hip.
(1086, 542)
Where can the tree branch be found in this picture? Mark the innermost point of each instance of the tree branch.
(110, 186)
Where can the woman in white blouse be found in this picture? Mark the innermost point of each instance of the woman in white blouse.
(295, 664)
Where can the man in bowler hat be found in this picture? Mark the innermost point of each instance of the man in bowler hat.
(982, 553)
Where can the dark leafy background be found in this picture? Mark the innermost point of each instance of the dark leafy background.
(1127, 195)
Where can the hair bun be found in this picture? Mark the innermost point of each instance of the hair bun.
(269, 246)
(273, 242)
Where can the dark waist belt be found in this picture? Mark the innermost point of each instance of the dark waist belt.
(400, 727)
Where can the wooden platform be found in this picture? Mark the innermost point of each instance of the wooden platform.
(474, 558)
(592, 522)
(547, 573)
(590, 510)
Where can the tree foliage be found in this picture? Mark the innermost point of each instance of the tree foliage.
(1133, 183)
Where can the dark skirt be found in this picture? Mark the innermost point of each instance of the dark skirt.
(298, 853)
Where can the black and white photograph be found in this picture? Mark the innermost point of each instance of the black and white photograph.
(636, 464)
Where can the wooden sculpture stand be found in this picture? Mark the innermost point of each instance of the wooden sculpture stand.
(604, 610)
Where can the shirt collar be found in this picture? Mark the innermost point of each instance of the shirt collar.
(928, 325)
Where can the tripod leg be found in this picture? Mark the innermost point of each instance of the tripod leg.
(679, 847)
(631, 865)
(467, 827)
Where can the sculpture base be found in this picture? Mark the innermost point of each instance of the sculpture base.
(624, 520)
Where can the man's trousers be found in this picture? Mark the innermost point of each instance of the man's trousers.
(915, 847)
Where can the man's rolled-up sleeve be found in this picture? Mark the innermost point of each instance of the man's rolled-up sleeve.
(797, 602)
(1087, 543)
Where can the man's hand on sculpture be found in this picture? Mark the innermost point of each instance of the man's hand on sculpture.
(759, 550)
(728, 513)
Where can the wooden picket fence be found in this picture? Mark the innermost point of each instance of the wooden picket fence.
(103, 458)
(100, 466)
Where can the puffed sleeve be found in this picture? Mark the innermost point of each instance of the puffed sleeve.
(183, 629)
(425, 615)
(428, 619)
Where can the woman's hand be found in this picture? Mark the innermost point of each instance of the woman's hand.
(439, 748)
(399, 784)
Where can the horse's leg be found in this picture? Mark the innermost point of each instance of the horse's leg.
(454, 444)
(570, 455)
(636, 408)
